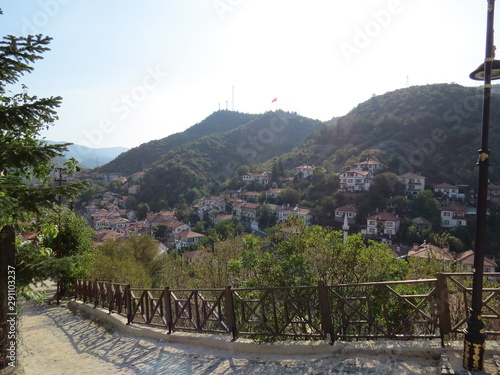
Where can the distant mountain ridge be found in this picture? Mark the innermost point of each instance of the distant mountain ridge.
(210, 160)
(144, 156)
(434, 130)
(89, 157)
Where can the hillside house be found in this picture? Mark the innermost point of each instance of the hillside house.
(194, 256)
(246, 210)
(304, 171)
(136, 229)
(100, 223)
(186, 238)
(494, 193)
(134, 189)
(119, 223)
(303, 212)
(429, 251)
(220, 218)
(215, 201)
(421, 223)
(272, 193)
(106, 235)
(355, 180)
(261, 178)
(448, 191)
(369, 165)
(138, 175)
(413, 183)
(351, 210)
(453, 215)
(248, 195)
(467, 260)
(384, 224)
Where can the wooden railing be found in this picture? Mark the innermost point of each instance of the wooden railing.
(410, 309)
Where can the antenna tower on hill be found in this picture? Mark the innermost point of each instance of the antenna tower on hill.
(232, 104)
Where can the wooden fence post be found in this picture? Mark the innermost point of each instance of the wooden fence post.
(96, 293)
(443, 305)
(128, 304)
(326, 314)
(167, 301)
(231, 316)
(110, 296)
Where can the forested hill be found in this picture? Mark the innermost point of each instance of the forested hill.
(214, 158)
(142, 157)
(434, 130)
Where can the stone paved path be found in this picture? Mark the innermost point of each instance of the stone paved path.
(56, 342)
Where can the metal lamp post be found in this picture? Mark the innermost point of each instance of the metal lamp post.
(474, 340)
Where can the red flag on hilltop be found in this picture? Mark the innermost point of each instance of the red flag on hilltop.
(274, 100)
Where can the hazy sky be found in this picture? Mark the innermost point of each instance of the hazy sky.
(130, 72)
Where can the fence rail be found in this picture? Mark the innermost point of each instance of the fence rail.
(410, 309)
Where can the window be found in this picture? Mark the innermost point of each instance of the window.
(372, 222)
(446, 213)
(389, 224)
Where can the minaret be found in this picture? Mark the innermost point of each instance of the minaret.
(345, 227)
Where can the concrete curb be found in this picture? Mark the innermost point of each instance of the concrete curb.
(408, 349)
(448, 359)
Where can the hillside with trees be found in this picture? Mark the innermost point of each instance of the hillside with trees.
(206, 163)
(433, 130)
(145, 155)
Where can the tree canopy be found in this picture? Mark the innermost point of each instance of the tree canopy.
(25, 159)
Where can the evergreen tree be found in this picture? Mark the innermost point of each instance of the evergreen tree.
(25, 167)
(24, 158)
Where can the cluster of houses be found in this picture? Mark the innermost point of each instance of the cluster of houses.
(429, 251)
(111, 220)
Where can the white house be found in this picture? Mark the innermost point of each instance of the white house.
(304, 171)
(453, 215)
(413, 183)
(306, 213)
(355, 180)
(350, 210)
(448, 190)
(262, 178)
(369, 165)
(186, 238)
(383, 224)
(118, 223)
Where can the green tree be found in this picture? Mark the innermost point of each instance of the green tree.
(25, 160)
(142, 211)
(160, 231)
(267, 217)
(424, 204)
(135, 260)
(289, 196)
